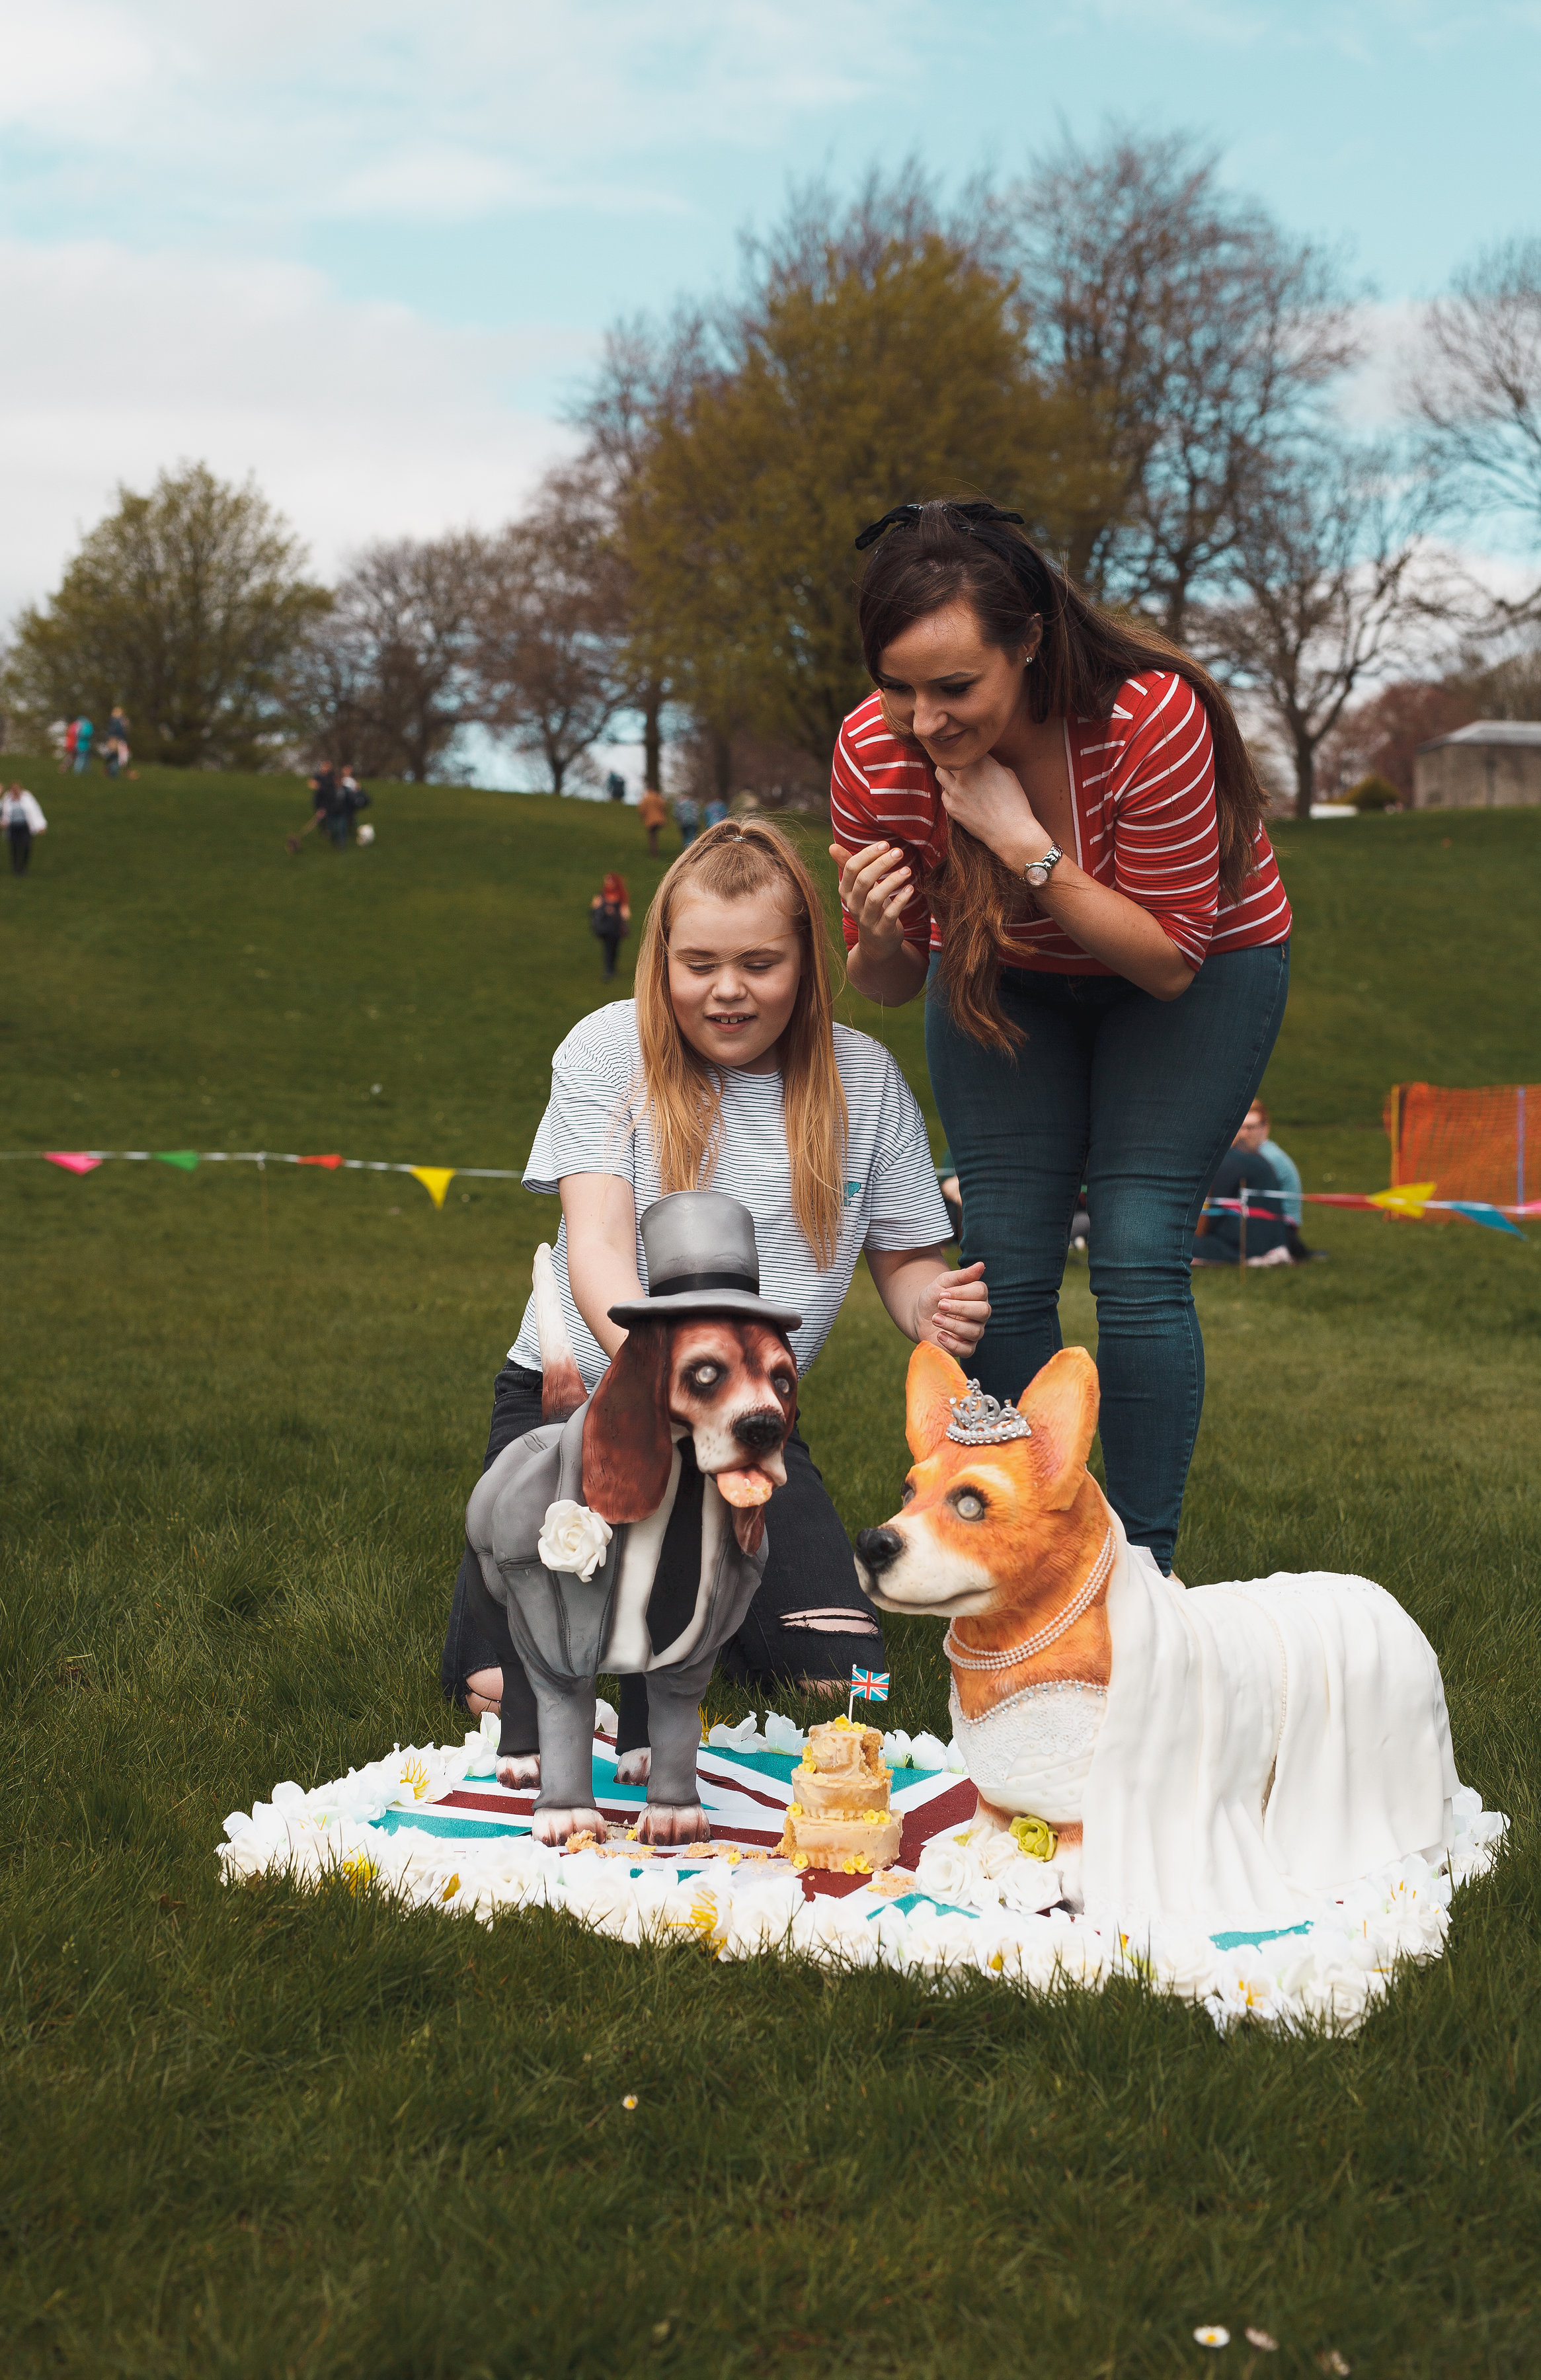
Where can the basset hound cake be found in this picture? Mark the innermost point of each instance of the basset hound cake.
(1249, 1750)
(626, 1533)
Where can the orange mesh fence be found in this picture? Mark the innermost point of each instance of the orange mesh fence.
(1469, 1144)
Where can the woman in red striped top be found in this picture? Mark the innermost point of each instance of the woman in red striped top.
(1051, 816)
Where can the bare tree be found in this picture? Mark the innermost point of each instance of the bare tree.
(1190, 332)
(1325, 556)
(1477, 388)
(550, 630)
(389, 675)
(646, 374)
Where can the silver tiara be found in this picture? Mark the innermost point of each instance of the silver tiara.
(978, 1420)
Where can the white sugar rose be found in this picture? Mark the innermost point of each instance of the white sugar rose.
(572, 1537)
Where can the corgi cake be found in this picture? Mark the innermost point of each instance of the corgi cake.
(839, 1817)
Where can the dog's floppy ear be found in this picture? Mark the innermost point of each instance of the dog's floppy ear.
(1060, 1404)
(627, 1449)
(931, 1383)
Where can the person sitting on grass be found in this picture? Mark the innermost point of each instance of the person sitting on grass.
(728, 1071)
(1247, 1172)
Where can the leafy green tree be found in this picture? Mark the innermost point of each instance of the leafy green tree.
(186, 606)
(870, 369)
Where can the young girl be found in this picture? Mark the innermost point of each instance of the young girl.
(1051, 813)
(727, 1071)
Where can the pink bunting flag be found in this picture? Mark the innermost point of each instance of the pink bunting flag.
(74, 1160)
(331, 1163)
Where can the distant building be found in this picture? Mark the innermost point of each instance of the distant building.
(1493, 764)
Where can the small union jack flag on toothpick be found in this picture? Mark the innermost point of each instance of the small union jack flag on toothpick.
(872, 1686)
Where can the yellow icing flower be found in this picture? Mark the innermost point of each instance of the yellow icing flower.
(799, 1859)
(1036, 1837)
(794, 1809)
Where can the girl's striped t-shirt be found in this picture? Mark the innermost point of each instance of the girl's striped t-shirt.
(1144, 788)
(891, 1195)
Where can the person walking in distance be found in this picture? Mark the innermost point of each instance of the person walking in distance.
(114, 751)
(653, 811)
(20, 819)
(83, 734)
(1049, 813)
(610, 920)
(71, 737)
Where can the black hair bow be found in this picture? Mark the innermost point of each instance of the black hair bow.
(907, 516)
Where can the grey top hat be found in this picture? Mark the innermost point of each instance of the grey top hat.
(701, 1260)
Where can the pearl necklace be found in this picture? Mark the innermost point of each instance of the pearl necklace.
(1101, 1569)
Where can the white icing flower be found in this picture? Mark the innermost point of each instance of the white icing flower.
(897, 1748)
(572, 1538)
(1029, 1886)
(949, 1866)
(928, 1751)
(995, 1851)
(781, 1735)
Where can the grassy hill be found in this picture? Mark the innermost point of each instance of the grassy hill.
(259, 2134)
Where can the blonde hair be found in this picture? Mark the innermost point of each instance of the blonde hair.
(680, 1092)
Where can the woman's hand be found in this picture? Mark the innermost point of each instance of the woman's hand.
(929, 1300)
(875, 890)
(876, 886)
(988, 800)
(952, 1309)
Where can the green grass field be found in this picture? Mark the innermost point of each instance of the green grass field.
(255, 2132)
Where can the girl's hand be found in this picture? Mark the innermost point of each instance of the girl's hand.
(988, 800)
(952, 1309)
(875, 888)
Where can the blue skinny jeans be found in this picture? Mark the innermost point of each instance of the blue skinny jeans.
(1139, 1099)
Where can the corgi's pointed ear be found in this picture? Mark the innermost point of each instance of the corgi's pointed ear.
(1060, 1404)
(932, 1382)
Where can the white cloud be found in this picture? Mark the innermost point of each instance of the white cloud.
(358, 420)
(188, 113)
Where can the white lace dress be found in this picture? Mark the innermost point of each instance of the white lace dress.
(1032, 1754)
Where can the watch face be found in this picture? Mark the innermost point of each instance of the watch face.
(1037, 874)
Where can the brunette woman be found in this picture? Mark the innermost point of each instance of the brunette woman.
(727, 1071)
(1051, 814)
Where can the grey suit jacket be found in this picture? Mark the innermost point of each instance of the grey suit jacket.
(559, 1622)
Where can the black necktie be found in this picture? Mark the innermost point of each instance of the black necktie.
(677, 1580)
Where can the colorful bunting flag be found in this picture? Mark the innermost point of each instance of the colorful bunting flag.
(331, 1163)
(185, 1160)
(74, 1160)
(435, 1178)
(1409, 1198)
(1479, 1211)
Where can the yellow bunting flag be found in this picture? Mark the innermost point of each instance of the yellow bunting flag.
(435, 1178)
(1408, 1198)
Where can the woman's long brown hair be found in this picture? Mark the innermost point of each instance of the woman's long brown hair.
(680, 1092)
(938, 554)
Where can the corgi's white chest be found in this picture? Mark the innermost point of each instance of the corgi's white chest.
(1031, 1755)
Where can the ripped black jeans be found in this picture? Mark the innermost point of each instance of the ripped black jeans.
(809, 1619)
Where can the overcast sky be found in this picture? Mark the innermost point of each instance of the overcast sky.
(363, 251)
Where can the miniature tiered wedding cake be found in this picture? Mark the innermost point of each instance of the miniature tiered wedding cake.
(839, 1817)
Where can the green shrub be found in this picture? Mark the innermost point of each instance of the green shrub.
(1374, 793)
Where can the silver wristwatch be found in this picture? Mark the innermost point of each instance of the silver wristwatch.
(1038, 871)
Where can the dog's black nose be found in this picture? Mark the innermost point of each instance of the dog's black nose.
(760, 1430)
(878, 1547)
